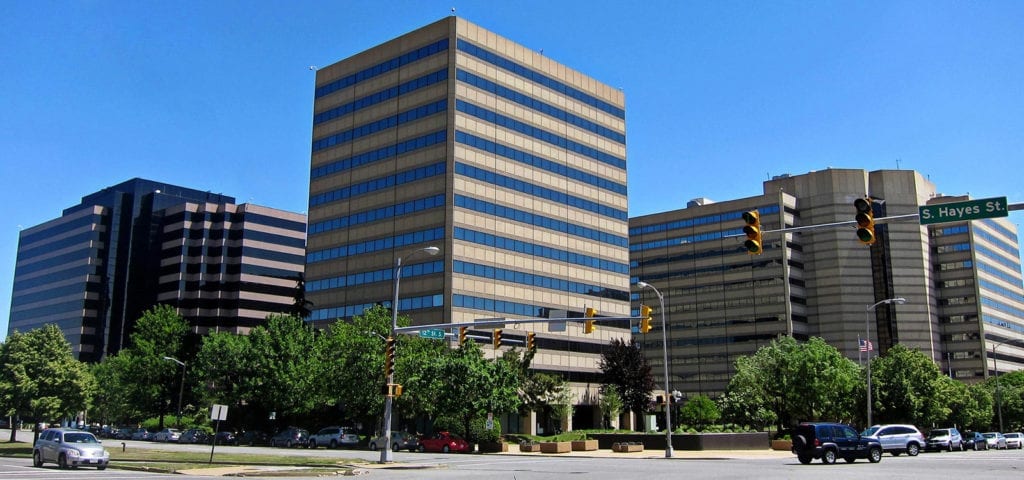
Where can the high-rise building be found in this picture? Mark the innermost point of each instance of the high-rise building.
(105, 261)
(961, 281)
(513, 165)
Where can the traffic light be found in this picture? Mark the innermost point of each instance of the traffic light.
(589, 326)
(462, 335)
(645, 319)
(531, 344)
(865, 220)
(397, 390)
(392, 390)
(389, 357)
(496, 339)
(753, 244)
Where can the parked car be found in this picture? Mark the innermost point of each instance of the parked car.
(226, 437)
(194, 435)
(975, 441)
(69, 448)
(897, 439)
(443, 442)
(1015, 440)
(945, 439)
(334, 437)
(253, 438)
(830, 441)
(123, 433)
(399, 441)
(167, 435)
(995, 440)
(141, 434)
(290, 437)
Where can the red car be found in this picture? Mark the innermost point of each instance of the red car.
(443, 442)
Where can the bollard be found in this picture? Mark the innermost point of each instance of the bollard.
(122, 447)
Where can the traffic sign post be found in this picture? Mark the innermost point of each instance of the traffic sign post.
(961, 211)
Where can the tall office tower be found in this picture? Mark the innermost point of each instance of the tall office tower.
(513, 165)
(97, 268)
(226, 267)
(961, 282)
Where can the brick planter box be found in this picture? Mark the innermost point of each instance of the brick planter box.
(784, 445)
(555, 447)
(529, 447)
(493, 447)
(627, 447)
(584, 445)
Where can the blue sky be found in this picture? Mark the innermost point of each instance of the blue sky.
(720, 95)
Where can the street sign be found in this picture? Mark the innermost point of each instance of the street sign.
(960, 211)
(434, 333)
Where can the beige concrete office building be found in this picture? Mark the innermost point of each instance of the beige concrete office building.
(513, 165)
(961, 281)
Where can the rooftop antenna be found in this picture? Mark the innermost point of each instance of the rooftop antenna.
(453, 11)
(897, 164)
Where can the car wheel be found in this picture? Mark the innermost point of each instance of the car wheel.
(804, 459)
(395, 448)
(422, 449)
(962, 447)
(828, 457)
(37, 459)
(62, 462)
(800, 442)
(875, 455)
(373, 446)
(913, 449)
(445, 449)
(334, 444)
(950, 446)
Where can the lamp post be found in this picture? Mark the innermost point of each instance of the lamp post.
(867, 338)
(181, 388)
(999, 392)
(664, 357)
(385, 453)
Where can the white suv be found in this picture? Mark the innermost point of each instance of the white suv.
(897, 439)
(69, 448)
(333, 437)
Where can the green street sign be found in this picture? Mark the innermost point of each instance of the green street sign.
(434, 333)
(960, 211)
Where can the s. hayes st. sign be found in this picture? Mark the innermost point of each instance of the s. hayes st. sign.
(960, 211)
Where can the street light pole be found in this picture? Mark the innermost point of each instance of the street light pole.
(385, 453)
(867, 338)
(664, 357)
(181, 389)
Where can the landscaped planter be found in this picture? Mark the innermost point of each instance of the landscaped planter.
(626, 447)
(493, 447)
(784, 445)
(584, 445)
(555, 447)
(529, 447)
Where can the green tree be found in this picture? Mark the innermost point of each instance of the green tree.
(224, 367)
(152, 381)
(699, 411)
(624, 366)
(112, 403)
(610, 403)
(40, 379)
(1008, 396)
(909, 388)
(971, 405)
(284, 360)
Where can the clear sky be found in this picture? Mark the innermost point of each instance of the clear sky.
(720, 95)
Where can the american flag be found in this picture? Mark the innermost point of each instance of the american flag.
(866, 346)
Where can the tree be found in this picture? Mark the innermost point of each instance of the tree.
(112, 403)
(610, 403)
(699, 411)
(909, 388)
(1008, 397)
(39, 377)
(152, 381)
(971, 405)
(624, 366)
(284, 361)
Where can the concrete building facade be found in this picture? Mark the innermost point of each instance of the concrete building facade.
(961, 282)
(513, 165)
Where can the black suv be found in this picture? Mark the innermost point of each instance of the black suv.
(830, 441)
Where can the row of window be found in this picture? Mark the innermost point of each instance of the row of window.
(539, 134)
(376, 184)
(956, 247)
(998, 242)
(702, 220)
(379, 154)
(407, 116)
(83, 239)
(999, 289)
(539, 162)
(994, 256)
(71, 309)
(1002, 307)
(363, 278)
(86, 253)
(540, 281)
(534, 250)
(538, 221)
(81, 271)
(383, 67)
(85, 221)
(381, 96)
(79, 289)
(234, 237)
(404, 305)
(539, 106)
(952, 230)
(1002, 323)
(1007, 277)
(497, 306)
(749, 264)
(513, 67)
(376, 245)
(390, 211)
(539, 192)
(676, 241)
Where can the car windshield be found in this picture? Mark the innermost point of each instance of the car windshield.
(871, 431)
(1012, 435)
(989, 435)
(79, 438)
(938, 433)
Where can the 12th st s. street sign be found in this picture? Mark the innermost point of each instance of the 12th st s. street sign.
(960, 211)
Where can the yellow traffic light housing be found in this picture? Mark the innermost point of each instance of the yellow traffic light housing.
(753, 244)
(588, 326)
(397, 390)
(389, 357)
(645, 319)
(462, 335)
(496, 339)
(531, 342)
(865, 220)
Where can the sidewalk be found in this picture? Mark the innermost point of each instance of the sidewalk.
(660, 453)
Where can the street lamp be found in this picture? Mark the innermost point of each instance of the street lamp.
(385, 453)
(664, 355)
(867, 338)
(181, 389)
(999, 392)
